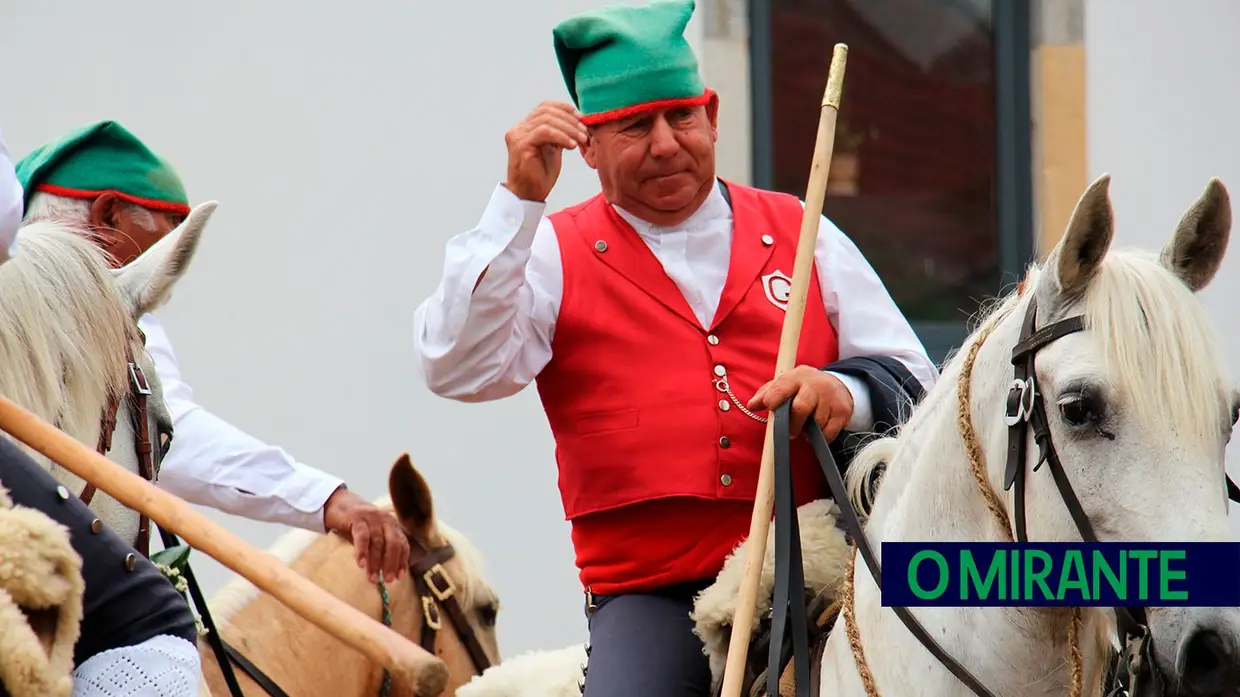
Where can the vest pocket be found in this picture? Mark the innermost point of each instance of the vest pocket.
(595, 422)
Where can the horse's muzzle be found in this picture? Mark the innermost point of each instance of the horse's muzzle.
(1208, 661)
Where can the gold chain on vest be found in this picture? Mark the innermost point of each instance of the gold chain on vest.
(722, 385)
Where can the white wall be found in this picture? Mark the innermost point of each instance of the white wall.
(1162, 104)
(346, 142)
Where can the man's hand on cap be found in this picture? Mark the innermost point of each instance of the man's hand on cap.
(535, 149)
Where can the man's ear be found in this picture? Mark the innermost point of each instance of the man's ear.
(104, 210)
(587, 150)
(712, 114)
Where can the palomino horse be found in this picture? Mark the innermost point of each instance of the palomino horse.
(1106, 366)
(445, 604)
(71, 352)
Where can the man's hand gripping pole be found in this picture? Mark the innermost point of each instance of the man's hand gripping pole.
(760, 523)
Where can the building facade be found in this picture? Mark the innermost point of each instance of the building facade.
(959, 146)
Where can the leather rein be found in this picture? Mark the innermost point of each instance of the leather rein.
(1025, 412)
(431, 581)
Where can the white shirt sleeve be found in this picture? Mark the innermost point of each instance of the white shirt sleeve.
(867, 320)
(482, 340)
(10, 204)
(213, 463)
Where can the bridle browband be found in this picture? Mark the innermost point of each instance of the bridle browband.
(431, 581)
(1026, 409)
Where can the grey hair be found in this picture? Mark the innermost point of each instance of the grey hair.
(76, 211)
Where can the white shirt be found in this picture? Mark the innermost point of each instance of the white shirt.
(213, 463)
(485, 343)
(10, 204)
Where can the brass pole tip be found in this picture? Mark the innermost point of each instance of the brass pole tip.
(835, 78)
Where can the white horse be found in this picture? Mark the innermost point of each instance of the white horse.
(68, 324)
(1140, 409)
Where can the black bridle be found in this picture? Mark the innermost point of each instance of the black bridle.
(1026, 411)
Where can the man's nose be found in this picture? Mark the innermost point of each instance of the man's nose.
(663, 141)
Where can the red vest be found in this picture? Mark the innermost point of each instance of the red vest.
(658, 467)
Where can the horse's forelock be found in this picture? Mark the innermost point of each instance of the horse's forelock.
(1159, 345)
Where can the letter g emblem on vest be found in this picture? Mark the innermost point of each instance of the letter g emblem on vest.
(778, 288)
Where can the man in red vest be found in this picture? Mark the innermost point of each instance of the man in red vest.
(650, 317)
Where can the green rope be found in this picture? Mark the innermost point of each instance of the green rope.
(387, 622)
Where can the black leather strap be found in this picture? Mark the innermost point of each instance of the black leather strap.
(839, 492)
(788, 602)
(222, 650)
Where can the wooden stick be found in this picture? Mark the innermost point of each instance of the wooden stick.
(760, 523)
(406, 660)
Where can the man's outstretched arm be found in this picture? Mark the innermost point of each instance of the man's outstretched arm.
(213, 463)
(10, 202)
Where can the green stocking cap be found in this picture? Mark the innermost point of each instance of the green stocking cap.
(621, 60)
(102, 157)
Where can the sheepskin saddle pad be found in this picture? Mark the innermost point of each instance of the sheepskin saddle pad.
(824, 550)
(41, 591)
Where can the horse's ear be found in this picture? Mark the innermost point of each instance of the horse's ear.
(1196, 251)
(411, 497)
(147, 281)
(1076, 259)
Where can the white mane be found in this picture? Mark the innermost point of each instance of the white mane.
(1142, 319)
(64, 329)
(68, 326)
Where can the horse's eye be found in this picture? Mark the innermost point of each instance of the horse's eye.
(487, 615)
(1078, 410)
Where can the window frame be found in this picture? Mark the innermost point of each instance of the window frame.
(1014, 196)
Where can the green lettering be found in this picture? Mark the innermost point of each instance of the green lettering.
(969, 578)
(1143, 583)
(913, 584)
(1038, 577)
(1165, 574)
(1073, 563)
(1015, 589)
(1119, 584)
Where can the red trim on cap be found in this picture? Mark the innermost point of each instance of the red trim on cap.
(626, 112)
(151, 203)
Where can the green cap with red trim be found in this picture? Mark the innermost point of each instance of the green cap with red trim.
(622, 60)
(98, 158)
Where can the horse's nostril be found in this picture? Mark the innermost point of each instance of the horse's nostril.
(1205, 658)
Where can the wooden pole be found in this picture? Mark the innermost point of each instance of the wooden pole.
(760, 523)
(406, 660)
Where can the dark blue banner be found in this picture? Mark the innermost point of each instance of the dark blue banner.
(962, 574)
